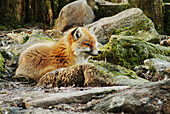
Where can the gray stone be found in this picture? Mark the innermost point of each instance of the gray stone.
(15, 97)
(51, 99)
(131, 22)
(77, 13)
(34, 37)
(16, 110)
(154, 69)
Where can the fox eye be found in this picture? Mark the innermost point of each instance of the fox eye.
(87, 44)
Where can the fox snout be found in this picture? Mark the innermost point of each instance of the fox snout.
(94, 52)
(99, 52)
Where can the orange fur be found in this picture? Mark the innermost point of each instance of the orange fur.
(41, 58)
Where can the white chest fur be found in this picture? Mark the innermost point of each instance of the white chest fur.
(82, 58)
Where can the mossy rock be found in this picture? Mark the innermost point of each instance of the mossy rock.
(98, 73)
(80, 75)
(131, 22)
(154, 69)
(129, 51)
(117, 74)
(143, 28)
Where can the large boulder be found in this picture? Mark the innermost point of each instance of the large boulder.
(78, 75)
(76, 13)
(129, 51)
(131, 22)
(91, 75)
(147, 98)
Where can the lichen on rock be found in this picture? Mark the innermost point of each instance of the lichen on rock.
(118, 74)
(129, 51)
(131, 22)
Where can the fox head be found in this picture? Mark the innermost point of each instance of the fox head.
(84, 43)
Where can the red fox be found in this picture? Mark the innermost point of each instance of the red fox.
(76, 46)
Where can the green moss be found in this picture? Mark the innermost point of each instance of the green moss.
(133, 30)
(130, 51)
(1, 62)
(114, 70)
(142, 29)
(119, 75)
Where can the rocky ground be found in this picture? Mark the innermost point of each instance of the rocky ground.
(148, 98)
(130, 76)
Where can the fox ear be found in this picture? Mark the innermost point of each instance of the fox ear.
(77, 33)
